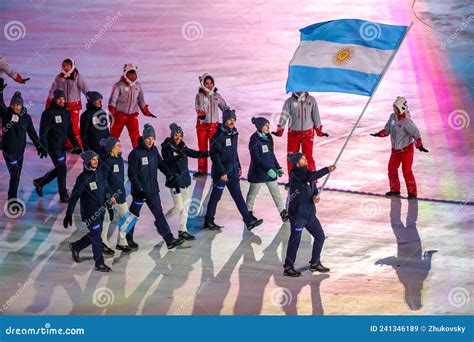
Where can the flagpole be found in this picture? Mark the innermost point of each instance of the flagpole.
(367, 104)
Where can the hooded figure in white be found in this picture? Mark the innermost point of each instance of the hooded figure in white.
(404, 136)
(208, 103)
(125, 101)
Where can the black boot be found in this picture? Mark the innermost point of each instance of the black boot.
(411, 196)
(211, 226)
(132, 244)
(186, 236)
(124, 249)
(291, 272)
(393, 194)
(103, 268)
(287, 186)
(108, 250)
(284, 215)
(256, 222)
(64, 198)
(318, 267)
(175, 243)
(75, 254)
(38, 187)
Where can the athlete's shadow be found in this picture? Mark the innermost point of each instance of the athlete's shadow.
(411, 264)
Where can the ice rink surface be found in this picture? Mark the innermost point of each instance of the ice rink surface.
(386, 256)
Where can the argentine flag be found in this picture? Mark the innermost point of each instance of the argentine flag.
(127, 222)
(346, 56)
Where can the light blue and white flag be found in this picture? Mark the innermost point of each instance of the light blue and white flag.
(346, 56)
(127, 222)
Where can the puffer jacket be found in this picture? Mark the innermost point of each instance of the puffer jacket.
(72, 86)
(402, 131)
(303, 115)
(209, 104)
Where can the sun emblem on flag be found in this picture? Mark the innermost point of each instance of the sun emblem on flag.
(343, 56)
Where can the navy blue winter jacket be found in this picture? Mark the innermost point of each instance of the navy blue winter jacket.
(300, 196)
(91, 188)
(55, 127)
(176, 158)
(143, 165)
(224, 156)
(262, 158)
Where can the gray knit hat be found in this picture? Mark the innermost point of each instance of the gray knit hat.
(108, 143)
(16, 98)
(174, 128)
(87, 157)
(148, 131)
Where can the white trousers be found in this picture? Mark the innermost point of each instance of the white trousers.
(181, 206)
(274, 191)
(122, 210)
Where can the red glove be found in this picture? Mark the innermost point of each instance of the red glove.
(112, 110)
(418, 143)
(48, 102)
(279, 131)
(382, 133)
(201, 114)
(319, 132)
(20, 79)
(147, 112)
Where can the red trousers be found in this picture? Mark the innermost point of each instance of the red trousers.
(74, 109)
(303, 139)
(131, 121)
(404, 157)
(204, 133)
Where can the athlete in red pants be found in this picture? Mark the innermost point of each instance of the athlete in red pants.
(302, 113)
(125, 100)
(73, 84)
(301, 141)
(404, 137)
(208, 103)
